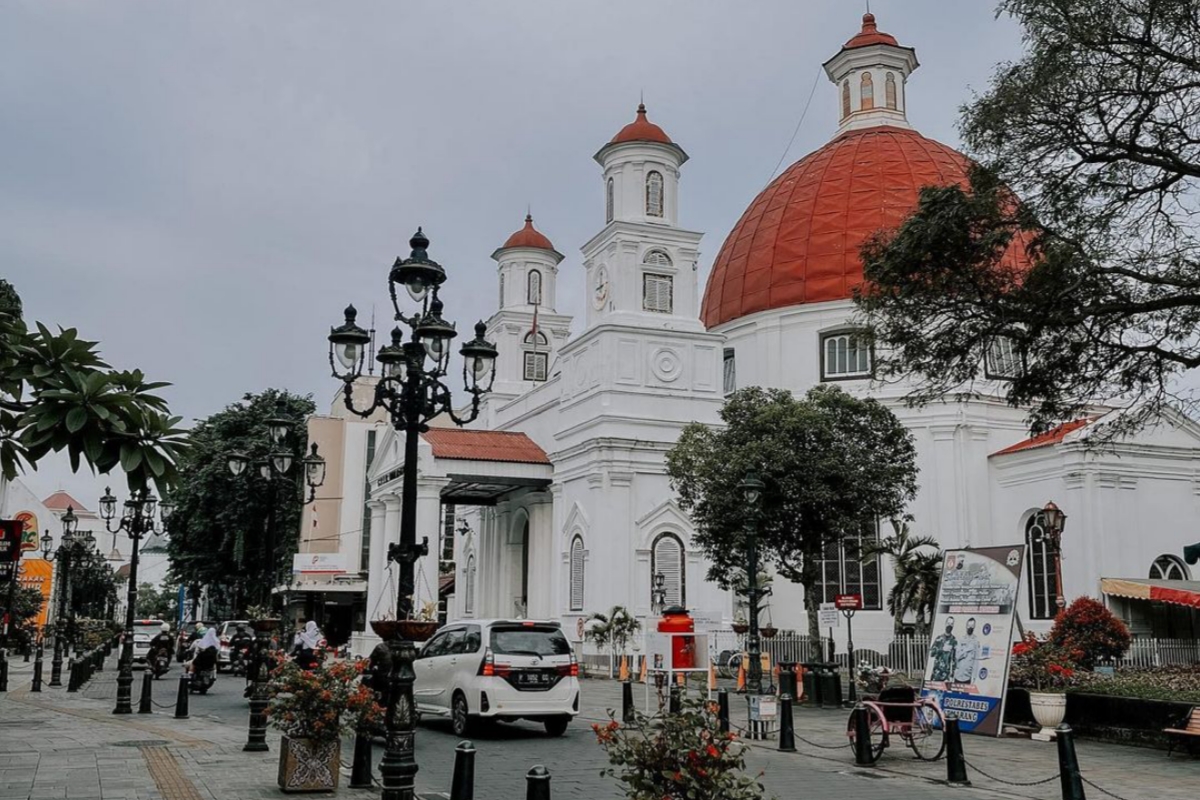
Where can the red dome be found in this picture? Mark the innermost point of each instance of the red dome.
(641, 130)
(528, 236)
(869, 35)
(798, 241)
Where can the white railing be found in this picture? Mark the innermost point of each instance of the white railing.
(1147, 652)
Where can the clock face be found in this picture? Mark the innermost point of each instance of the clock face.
(600, 288)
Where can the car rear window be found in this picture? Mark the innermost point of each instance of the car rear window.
(519, 640)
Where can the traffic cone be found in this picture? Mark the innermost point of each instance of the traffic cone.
(712, 677)
(644, 676)
(679, 678)
(775, 676)
(741, 678)
(623, 675)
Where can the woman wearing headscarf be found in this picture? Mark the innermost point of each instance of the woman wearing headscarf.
(204, 650)
(306, 645)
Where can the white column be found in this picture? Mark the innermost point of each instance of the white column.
(429, 520)
(377, 561)
(543, 569)
(391, 535)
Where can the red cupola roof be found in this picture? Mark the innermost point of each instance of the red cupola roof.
(641, 130)
(528, 236)
(869, 35)
(799, 240)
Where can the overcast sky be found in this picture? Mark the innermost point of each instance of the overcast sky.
(203, 187)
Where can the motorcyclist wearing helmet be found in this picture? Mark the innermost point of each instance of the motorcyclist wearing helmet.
(163, 641)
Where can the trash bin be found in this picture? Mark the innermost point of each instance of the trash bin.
(812, 684)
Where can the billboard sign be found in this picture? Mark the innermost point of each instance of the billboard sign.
(10, 546)
(29, 535)
(319, 563)
(967, 666)
(848, 602)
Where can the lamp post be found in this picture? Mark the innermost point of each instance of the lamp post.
(752, 490)
(412, 389)
(1053, 520)
(658, 595)
(70, 547)
(137, 519)
(277, 464)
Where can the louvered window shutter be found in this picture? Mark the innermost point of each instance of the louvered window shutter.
(656, 293)
(668, 559)
(577, 574)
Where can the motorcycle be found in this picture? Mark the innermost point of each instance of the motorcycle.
(160, 662)
(239, 659)
(204, 671)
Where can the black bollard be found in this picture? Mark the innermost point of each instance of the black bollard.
(627, 713)
(787, 728)
(676, 703)
(537, 784)
(462, 785)
(3, 671)
(956, 762)
(72, 676)
(787, 679)
(862, 737)
(723, 710)
(1068, 764)
(37, 672)
(144, 705)
(361, 776)
(181, 699)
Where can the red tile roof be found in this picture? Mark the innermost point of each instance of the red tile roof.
(60, 501)
(869, 35)
(464, 445)
(1052, 436)
(641, 130)
(528, 236)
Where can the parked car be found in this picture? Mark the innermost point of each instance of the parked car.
(143, 631)
(185, 634)
(502, 670)
(225, 632)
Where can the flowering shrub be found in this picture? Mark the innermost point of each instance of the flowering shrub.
(1042, 665)
(682, 756)
(1176, 683)
(321, 703)
(1089, 628)
(872, 679)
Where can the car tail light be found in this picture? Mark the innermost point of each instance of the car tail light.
(569, 670)
(488, 667)
(224, 641)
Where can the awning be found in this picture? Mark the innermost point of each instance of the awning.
(1181, 593)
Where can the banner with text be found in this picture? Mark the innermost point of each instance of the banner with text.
(967, 667)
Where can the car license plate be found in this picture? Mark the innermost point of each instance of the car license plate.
(533, 678)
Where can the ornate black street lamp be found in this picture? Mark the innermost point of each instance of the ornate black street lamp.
(752, 490)
(412, 390)
(137, 520)
(1052, 521)
(658, 595)
(276, 465)
(71, 548)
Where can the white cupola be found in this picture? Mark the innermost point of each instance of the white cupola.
(871, 72)
(641, 174)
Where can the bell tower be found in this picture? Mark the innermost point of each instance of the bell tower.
(641, 267)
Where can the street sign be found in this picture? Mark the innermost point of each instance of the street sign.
(848, 602)
(828, 616)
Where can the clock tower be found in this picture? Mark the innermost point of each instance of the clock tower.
(641, 267)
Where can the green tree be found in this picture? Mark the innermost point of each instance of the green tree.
(833, 465)
(612, 631)
(916, 573)
(218, 531)
(93, 587)
(58, 395)
(157, 602)
(1095, 128)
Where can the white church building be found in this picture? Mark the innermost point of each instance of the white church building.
(556, 503)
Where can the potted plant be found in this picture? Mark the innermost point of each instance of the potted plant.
(740, 625)
(313, 709)
(1047, 670)
(262, 619)
(417, 628)
(679, 756)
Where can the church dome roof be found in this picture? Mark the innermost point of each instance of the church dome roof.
(528, 236)
(869, 35)
(641, 130)
(799, 240)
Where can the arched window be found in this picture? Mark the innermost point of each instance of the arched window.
(657, 258)
(866, 93)
(845, 99)
(577, 573)
(537, 356)
(469, 588)
(502, 291)
(535, 288)
(889, 90)
(666, 556)
(1043, 577)
(654, 194)
(1168, 568)
(608, 201)
(843, 356)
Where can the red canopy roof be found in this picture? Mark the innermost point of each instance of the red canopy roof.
(467, 445)
(528, 236)
(870, 34)
(641, 130)
(61, 501)
(1052, 436)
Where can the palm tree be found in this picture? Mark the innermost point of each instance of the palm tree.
(916, 574)
(612, 631)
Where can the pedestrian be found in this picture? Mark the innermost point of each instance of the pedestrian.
(307, 644)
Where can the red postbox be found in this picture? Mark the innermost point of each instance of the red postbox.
(683, 648)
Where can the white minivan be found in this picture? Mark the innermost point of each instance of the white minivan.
(502, 670)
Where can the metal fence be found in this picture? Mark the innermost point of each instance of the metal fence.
(1145, 652)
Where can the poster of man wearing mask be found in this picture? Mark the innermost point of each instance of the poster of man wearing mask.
(967, 665)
